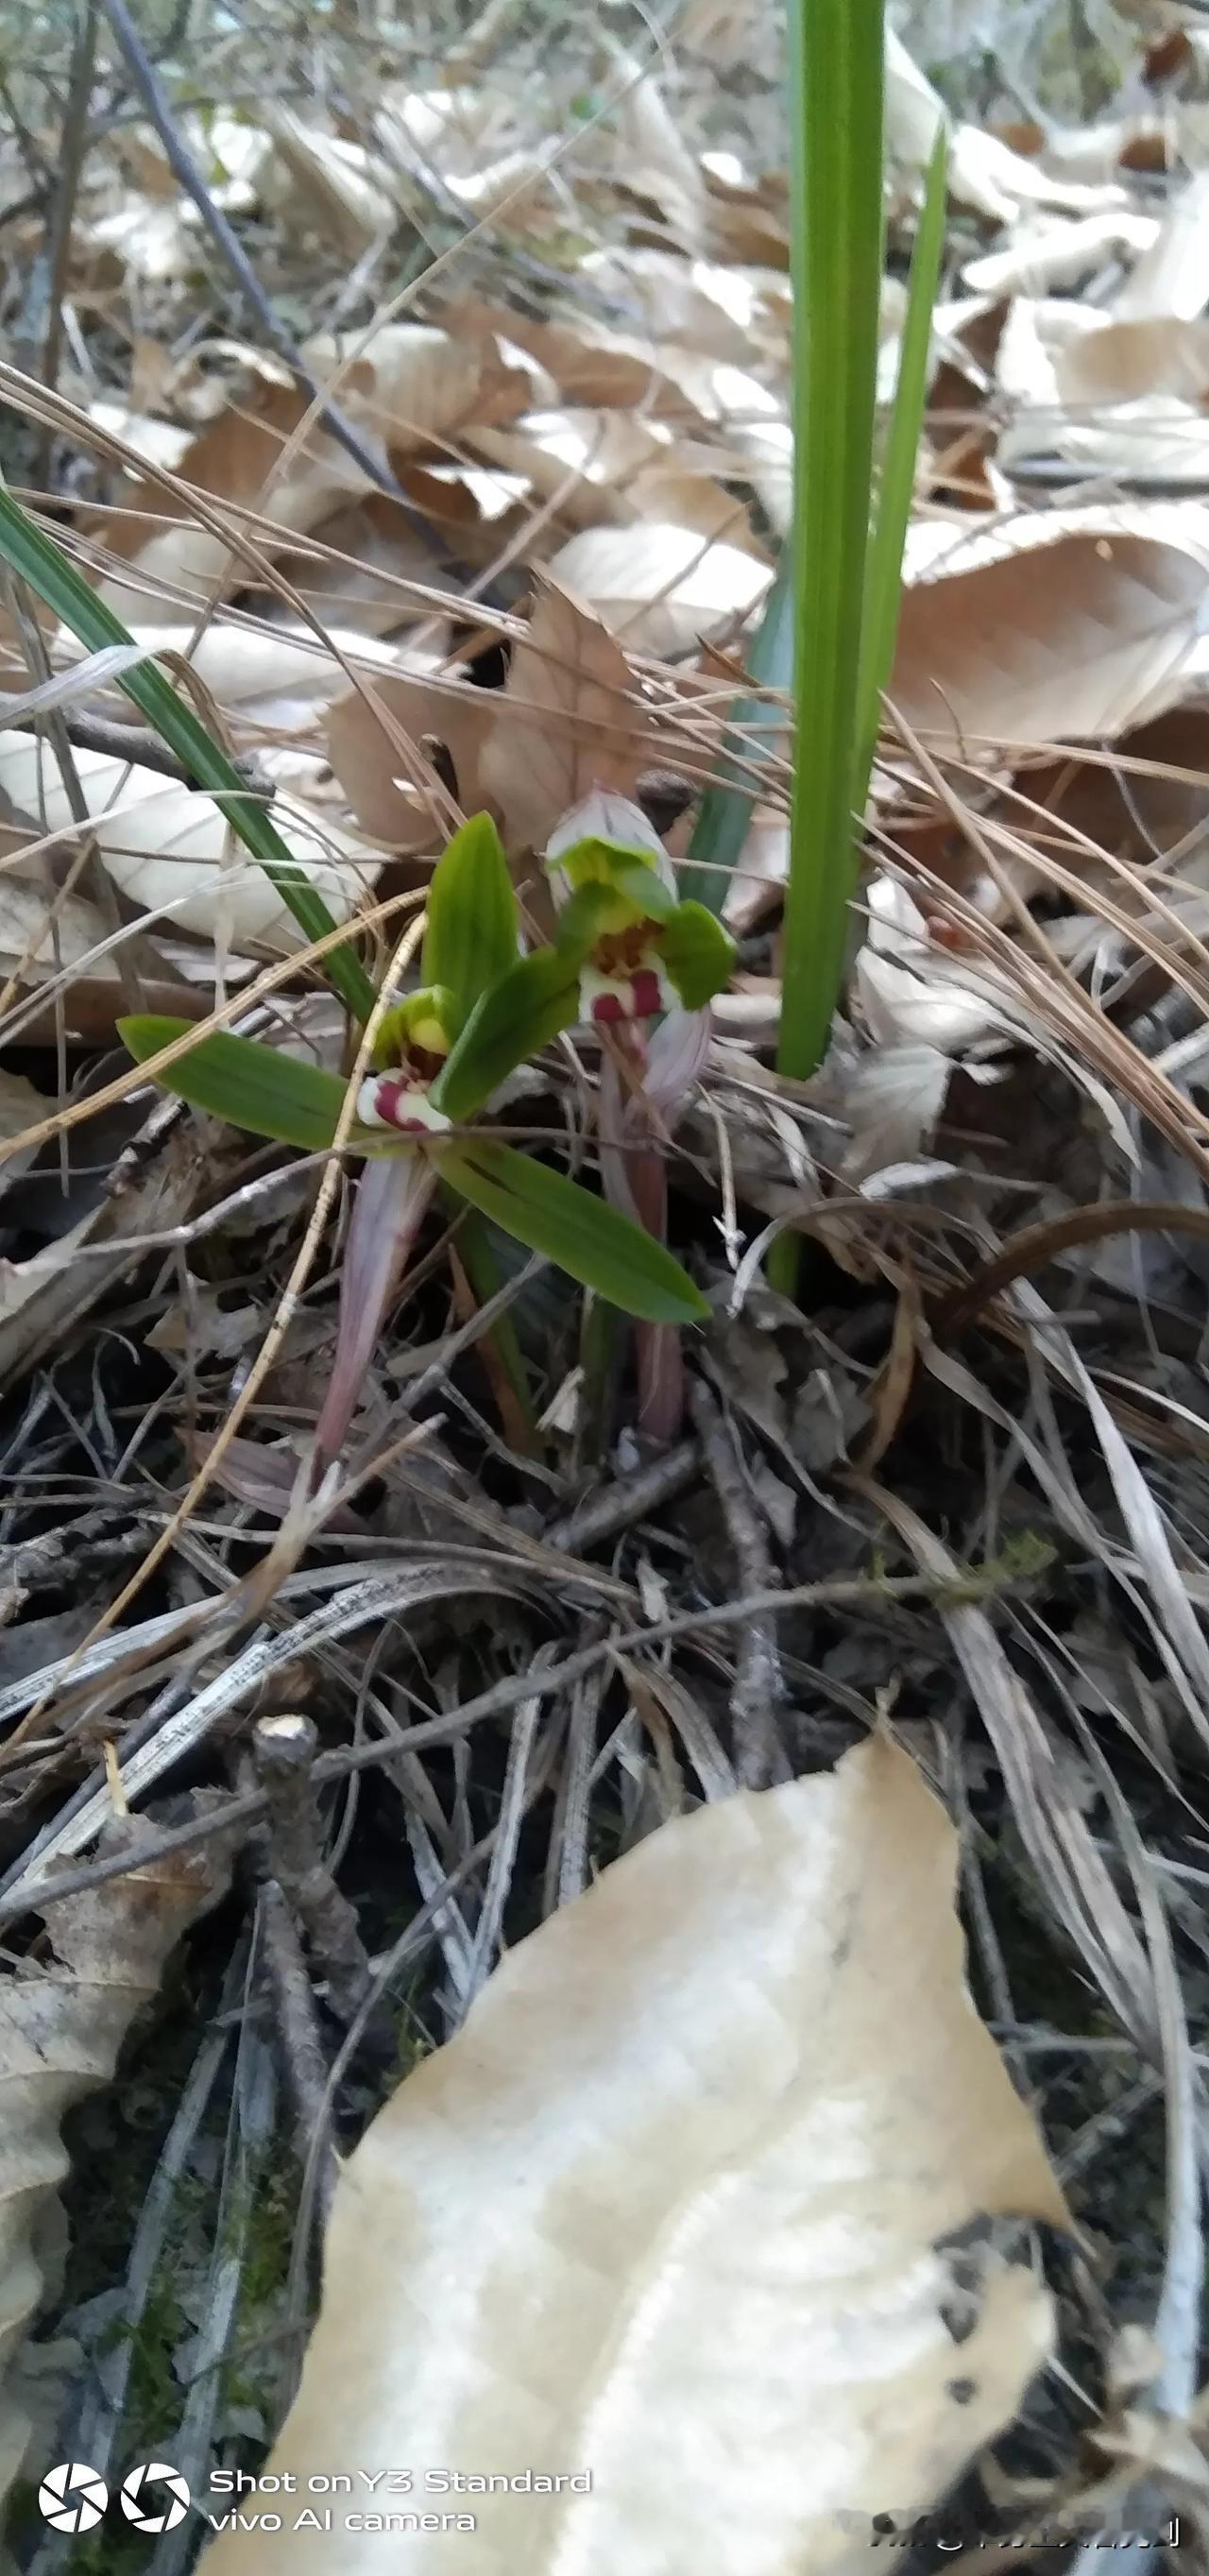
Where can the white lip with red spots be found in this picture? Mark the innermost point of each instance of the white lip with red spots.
(390, 1100)
(640, 996)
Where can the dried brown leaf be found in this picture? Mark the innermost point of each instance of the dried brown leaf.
(566, 722)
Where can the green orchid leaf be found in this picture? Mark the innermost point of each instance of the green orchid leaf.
(697, 952)
(552, 1214)
(523, 1012)
(249, 1085)
(473, 932)
(36, 559)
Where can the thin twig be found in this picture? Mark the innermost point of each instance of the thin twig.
(283, 1749)
(138, 745)
(759, 1688)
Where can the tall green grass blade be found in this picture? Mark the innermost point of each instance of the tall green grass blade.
(36, 559)
(725, 813)
(835, 115)
(884, 572)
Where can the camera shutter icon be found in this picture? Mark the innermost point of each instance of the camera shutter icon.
(72, 2497)
(164, 2506)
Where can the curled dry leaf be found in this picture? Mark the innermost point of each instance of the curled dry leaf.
(334, 183)
(1060, 625)
(701, 2201)
(157, 1183)
(1060, 252)
(566, 720)
(1124, 398)
(61, 2026)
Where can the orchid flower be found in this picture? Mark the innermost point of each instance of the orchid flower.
(643, 955)
(440, 1055)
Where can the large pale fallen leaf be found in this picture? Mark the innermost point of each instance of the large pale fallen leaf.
(1051, 626)
(984, 172)
(566, 722)
(700, 2207)
(413, 385)
(170, 848)
(1123, 398)
(589, 364)
(243, 457)
(659, 587)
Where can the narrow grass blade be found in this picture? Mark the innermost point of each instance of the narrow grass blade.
(835, 116)
(884, 573)
(725, 813)
(552, 1214)
(36, 559)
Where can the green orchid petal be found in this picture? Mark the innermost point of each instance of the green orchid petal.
(696, 953)
(627, 870)
(527, 1008)
(472, 934)
(426, 1020)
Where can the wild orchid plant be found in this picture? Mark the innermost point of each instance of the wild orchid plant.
(624, 950)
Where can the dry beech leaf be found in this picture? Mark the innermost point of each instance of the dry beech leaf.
(565, 723)
(61, 2026)
(1056, 625)
(1124, 398)
(409, 389)
(239, 458)
(703, 2201)
(171, 850)
(660, 587)
(413, 385)
(589, 365)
